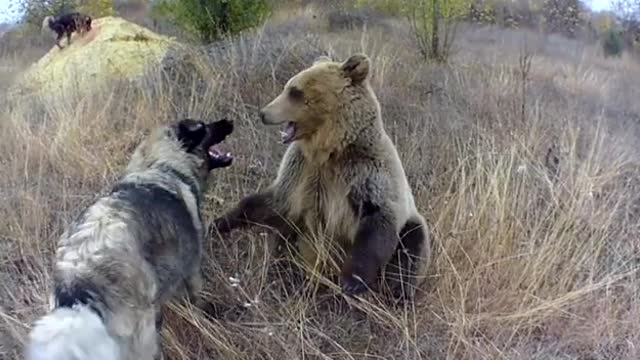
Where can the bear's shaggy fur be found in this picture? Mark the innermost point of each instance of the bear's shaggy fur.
(340, 180)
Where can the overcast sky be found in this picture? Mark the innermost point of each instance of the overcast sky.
(595, 4)
(4, 10)
(5, 16)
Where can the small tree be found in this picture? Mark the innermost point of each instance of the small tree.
(35, 10)
(628, 14)
(612, 43)
(96, 8)
(210, 19)
(562, 16)
(434, 24)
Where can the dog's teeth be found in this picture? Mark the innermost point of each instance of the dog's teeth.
(283, 134)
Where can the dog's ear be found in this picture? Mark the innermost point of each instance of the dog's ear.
(191, 133)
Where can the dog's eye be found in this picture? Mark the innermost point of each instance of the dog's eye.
(296, 94)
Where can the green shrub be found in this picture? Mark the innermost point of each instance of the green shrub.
(96, 8)
(612, 43)
(210, 19)
(388, 7)
(433, 22)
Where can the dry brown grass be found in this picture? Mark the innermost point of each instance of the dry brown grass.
(534, 217)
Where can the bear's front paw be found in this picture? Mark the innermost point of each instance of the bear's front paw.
(221, 225)
(354, 285)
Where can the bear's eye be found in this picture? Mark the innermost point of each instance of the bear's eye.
(296, 94)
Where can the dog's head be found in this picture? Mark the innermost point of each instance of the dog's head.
(86, 23)
(201, 139)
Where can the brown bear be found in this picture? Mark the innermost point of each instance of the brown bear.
(340, 180)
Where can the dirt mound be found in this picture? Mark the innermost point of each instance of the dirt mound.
(113, 49)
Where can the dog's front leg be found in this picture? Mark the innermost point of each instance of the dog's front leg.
(159, 322)
(58, 39)
(194, 284)
(159, 355)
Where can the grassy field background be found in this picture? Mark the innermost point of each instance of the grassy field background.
(528, 175)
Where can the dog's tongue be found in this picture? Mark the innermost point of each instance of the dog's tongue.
(289, 133)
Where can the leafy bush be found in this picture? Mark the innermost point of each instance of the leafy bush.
(96, 8)
(433, 22)
(211, 19)
(389, 7)
(341, 20)
(612, 43)
(562, 16)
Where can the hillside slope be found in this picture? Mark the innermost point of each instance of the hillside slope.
(529, 178)
(113, 49)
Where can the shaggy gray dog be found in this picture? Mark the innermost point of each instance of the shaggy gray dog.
(132, 251)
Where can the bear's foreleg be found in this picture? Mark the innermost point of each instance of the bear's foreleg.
(256, 209)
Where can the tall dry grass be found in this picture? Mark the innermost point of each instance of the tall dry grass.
(529, 180)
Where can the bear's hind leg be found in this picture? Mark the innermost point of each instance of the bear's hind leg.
(412, 253)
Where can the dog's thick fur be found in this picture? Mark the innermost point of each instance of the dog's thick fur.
(67, 24)
(132, 250)
(341, 179)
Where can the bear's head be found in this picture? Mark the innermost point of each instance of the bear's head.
(325, 105)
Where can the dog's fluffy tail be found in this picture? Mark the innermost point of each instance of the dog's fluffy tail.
(71, 334)
(46, 23)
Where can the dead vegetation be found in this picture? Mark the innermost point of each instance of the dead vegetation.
(525, 164)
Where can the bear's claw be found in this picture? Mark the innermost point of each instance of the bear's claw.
(353, 285)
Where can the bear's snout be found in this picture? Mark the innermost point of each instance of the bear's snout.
(268, 117)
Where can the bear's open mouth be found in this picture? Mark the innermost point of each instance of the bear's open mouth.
(289, 133)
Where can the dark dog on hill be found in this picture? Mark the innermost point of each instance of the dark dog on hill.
(67, 24)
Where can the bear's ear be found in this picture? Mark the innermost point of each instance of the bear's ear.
(356, 68)
(321, 59)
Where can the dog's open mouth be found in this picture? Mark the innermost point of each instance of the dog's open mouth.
(218, 158)
(289, 133)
